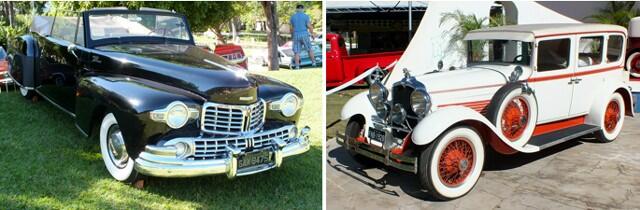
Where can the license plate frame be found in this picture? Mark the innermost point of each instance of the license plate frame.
(255, 158)
(376, 135)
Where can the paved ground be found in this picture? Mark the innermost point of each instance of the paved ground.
(579, 174)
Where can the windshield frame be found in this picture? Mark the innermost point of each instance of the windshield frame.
(470, 48)
(133, 39)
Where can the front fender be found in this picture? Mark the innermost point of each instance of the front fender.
(358, 105)
(436, 123)
(129, 99)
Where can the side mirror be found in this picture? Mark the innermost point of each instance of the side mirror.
(440, 65)
(515, 74)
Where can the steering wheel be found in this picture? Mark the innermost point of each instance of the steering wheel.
(517, 59)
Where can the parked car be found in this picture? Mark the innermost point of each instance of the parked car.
(633, 49)
(233, 53)
(4, 66)
(286, 56)
(161, 106)
(525, 88)
(342, 67)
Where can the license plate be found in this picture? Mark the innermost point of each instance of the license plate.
(376, 135)
(254, 158)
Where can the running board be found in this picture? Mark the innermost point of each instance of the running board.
(550, 139)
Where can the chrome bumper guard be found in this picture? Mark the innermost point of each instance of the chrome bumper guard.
(161, 161)
(409, 164)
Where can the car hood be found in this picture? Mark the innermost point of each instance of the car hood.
(475, 83)
(184, 66)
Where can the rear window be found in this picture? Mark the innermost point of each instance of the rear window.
(553, 54)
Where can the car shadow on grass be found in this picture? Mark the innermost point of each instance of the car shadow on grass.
(409, 183)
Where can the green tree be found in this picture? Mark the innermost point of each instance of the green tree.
(617, 13)
(202, 15)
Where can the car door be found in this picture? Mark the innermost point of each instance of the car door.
(597, 56)
(58, 67)
(551, 79)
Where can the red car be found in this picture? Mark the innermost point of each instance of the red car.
(231, 52)
(342, 67)
(633, 49)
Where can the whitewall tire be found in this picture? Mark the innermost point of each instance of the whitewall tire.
(114, 153)
(612, 120)
(515, 115)
(633, 64)
(451, 166)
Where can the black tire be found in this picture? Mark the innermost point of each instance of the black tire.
(353, 129)
(429, 154)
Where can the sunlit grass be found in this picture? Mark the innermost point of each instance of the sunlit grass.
(47, 164)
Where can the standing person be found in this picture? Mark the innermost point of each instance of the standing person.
(301, 31)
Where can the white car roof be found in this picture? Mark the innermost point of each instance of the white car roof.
(528, 32)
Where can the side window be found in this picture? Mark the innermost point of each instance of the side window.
(590, 51)
(79, 39)
(614, 48)
(553, 54)
(64, 28)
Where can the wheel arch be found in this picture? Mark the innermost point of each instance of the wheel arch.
(130, 100)
(438, 122)
(628, 100)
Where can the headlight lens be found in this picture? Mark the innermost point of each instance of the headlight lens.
(420, 102)
(377, 93)
(177, 115)
(289, 104)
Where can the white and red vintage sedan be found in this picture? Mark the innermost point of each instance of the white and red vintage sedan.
(525, 88)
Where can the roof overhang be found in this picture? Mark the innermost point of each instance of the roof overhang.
(500, 35)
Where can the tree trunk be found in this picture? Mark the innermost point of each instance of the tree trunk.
(234, 24)
(270, 11)
(219, 36)
(10, 14)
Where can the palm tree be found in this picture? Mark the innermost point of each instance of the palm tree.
(616, 12)
(466, 23)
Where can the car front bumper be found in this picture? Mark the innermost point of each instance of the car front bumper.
(161, 161)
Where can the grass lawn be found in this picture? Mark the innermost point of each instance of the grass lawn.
(335, 102)
(46, 163)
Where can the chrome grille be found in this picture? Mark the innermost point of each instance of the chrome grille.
(207, 149)
(232, 119)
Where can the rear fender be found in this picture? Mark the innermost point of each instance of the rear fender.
(439, 121)
(596, 114)
(22, 61)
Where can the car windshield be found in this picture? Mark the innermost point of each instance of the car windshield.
(499, 51)
(115, 25)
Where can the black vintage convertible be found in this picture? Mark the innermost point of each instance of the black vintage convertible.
(160, 105)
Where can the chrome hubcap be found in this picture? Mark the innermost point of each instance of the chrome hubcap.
(117, 149)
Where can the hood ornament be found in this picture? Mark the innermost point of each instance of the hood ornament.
(406, 72)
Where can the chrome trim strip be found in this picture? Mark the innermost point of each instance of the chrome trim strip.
(165, 164)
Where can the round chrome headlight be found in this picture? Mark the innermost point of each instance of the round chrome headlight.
(420, 102)
(377, 93)
(289, 104)
(177, 114)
